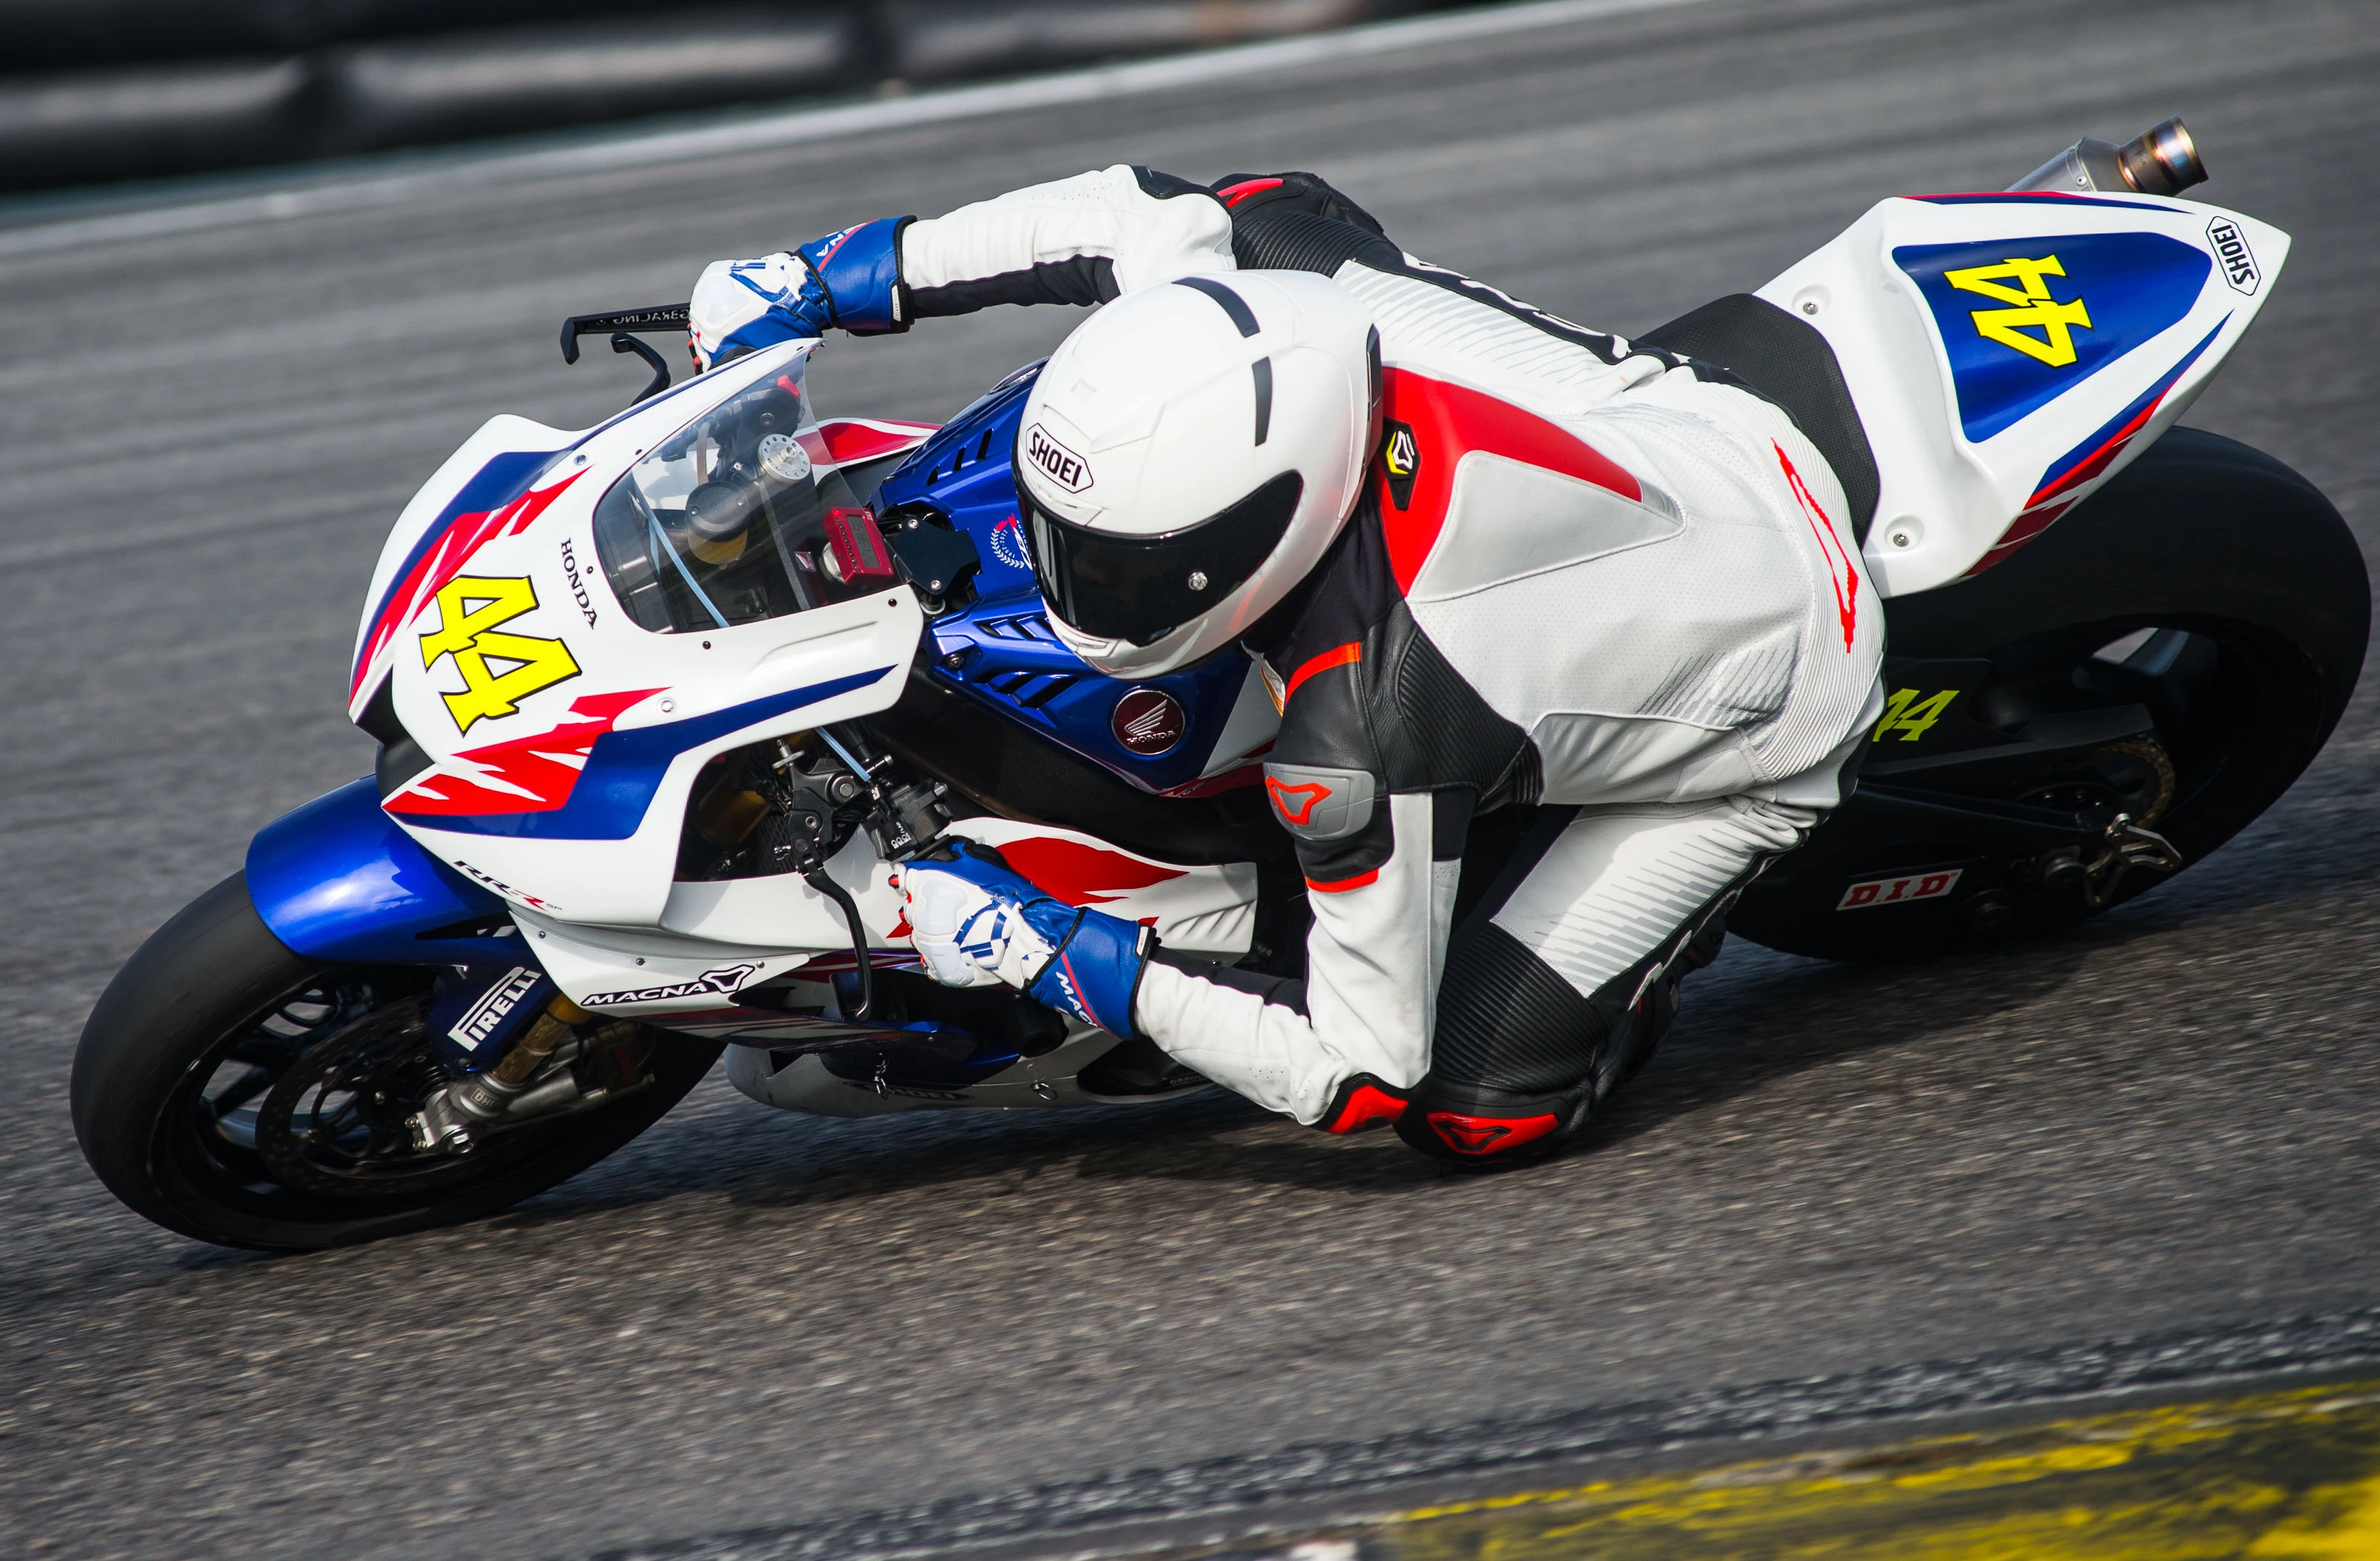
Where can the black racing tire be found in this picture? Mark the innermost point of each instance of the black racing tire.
(2202, 536)
(161, 1029)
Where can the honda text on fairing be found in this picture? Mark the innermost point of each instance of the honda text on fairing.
(666, 706)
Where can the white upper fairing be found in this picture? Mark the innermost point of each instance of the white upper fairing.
(2008, 353)
(564, 734)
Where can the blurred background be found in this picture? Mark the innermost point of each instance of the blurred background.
(100, 91)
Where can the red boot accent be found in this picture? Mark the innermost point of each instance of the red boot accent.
(1488, 1135)
(1368, 1106)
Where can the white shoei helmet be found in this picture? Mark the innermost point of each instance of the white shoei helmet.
(1189, 455)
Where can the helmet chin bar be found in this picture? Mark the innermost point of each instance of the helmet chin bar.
(1141, 590)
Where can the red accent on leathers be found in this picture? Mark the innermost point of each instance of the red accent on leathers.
(1337, 656)
(1341, 886)
(1841, 571)
(1448, 422)
(1232, 195)
(1368, 1106)
(1488, 1135)
(1296, 815)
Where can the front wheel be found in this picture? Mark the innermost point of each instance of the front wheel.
(234, 1091)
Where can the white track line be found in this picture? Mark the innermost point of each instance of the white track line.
(637, 149)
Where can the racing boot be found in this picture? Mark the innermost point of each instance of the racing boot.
(1362, 1102)
(1520, 1056)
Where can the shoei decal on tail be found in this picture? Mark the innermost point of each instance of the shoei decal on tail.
(2008, 353)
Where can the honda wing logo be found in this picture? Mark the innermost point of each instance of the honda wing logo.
(711, 983)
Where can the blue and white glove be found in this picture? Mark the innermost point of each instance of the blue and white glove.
(975, 922)
(850, 280)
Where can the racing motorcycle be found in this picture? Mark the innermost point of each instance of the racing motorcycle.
(662, 703)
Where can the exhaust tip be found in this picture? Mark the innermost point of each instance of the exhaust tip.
(2162, 160)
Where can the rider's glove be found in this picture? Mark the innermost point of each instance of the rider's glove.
(975, 922)
(851, 280)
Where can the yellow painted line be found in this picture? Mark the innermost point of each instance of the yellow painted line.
(2273, 1476)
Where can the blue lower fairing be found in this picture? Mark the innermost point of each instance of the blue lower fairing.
(337, 879)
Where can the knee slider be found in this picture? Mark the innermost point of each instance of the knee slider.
(1513, 1058)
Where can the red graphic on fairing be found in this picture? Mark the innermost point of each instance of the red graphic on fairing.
(1079, 874)
(1840, 570)
(1449, 422)
(1299, 813)
(442, 562)
(519, 775)
(842, 441)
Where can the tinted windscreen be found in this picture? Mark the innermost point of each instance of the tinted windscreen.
(721, 524)
(1140, 589)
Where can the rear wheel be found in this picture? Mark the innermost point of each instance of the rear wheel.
(236, 1092)
(2208, 586)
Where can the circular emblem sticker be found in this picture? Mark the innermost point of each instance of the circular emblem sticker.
(1149, 722)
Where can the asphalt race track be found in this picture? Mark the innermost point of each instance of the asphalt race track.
(754, 1322)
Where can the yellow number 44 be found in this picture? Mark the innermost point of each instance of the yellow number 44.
(1911, 714)
(470, 608)
(2032, 308)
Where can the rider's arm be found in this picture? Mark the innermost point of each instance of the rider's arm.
(1366, 1006)
(1082, 240)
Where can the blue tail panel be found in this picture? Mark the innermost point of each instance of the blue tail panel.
(337, 879)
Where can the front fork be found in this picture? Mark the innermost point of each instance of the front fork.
(534, 1078)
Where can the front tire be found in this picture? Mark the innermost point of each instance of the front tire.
(213, 1013)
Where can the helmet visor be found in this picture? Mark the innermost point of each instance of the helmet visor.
(1140, 589)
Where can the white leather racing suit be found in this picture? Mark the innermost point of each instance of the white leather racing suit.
(1590, 577)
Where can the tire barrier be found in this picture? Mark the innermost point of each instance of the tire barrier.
(109, 90)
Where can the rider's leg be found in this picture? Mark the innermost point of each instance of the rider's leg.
(1562, 980)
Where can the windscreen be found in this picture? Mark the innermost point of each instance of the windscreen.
(723, 522)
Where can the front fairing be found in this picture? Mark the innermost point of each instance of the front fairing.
(562, 737)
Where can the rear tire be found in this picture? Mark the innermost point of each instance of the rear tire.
(2265, 603)
(201, 996)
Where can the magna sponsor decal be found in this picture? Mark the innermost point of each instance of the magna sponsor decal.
(1058, 464)
(2232, 254)
(721, 982)
(480, 1020)
(1899, 892)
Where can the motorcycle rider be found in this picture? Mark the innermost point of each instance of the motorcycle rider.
(1484, 556)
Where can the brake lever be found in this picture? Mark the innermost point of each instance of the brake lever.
(623, 342)
(657, 319)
